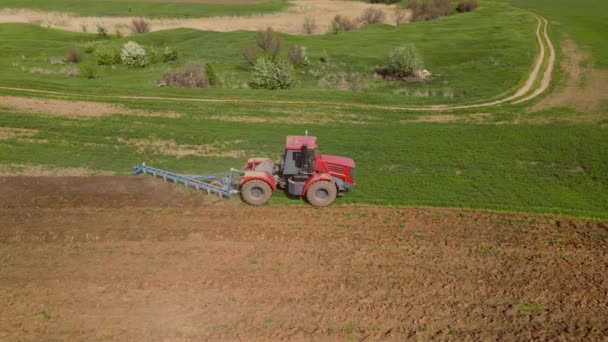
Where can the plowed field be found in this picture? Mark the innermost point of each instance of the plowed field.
(136, 259)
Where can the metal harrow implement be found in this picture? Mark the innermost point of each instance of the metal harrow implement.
(222, 184)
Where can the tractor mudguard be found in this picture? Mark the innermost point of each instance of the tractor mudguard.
(252, 162)
(263, 176)
(315, 178)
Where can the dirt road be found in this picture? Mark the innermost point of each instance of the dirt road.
(122, 258)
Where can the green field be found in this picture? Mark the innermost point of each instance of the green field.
(474, 57)
(154, 9)
(583, 20)
(502, 157)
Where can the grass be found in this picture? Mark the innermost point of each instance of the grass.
(551, 168)
(148, 9)
(585, 21)
(555, 167)
(474, 57)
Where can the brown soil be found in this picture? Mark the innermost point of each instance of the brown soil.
(72, 109)
(133, 258)
(585, 87)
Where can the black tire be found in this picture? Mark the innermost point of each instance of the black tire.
(321, 193)
(256, 192)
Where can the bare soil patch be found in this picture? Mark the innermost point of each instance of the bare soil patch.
(134, 258)
(289, 21)
(171, 148)
(39, 170)
(73, 109)
(585, 87)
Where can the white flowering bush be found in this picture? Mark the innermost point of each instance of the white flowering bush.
(403, 61)
(268, 74)
(134, 55)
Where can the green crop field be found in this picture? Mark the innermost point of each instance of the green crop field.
(148, 9)
(504, 157)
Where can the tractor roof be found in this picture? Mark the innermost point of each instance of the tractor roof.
(295, 142)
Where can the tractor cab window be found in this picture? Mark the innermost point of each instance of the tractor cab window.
(304, 160)
(296, 162)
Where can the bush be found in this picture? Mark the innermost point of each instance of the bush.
(211, 74)
(73, 56)
(439, 8)
(403, 62)
(191, 76)
(107, 55)
(270, 41)
(139, 26)
(268, 74)
(154, 55)
(249, 52)
(170, 54)
(388, 2)
(89, 71)
(466, 6)
(429, 9)
(297, 56)
(89, 47)
(400, 14)
(134, 55)
(341, 23)
(372, 15)
(102, 31)
(309, 26)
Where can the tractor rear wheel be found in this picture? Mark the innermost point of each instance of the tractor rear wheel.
(256, 192)
(321, 193)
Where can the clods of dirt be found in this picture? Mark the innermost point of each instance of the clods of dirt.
(136, 259)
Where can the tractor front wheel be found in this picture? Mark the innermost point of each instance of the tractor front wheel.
(256, 192)
(321, 193)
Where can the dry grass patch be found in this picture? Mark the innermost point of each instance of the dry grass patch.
(448, 118)
(8, 133)
(209, 1)
(585, 88)
(291, 21)
(73, 109)
(292, 117)
(171, 148)
(7, 170)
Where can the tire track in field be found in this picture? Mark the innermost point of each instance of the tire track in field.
(513, 99)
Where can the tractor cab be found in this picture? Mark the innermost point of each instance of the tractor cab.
(299, 156)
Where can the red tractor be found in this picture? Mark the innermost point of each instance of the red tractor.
(317, 177)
